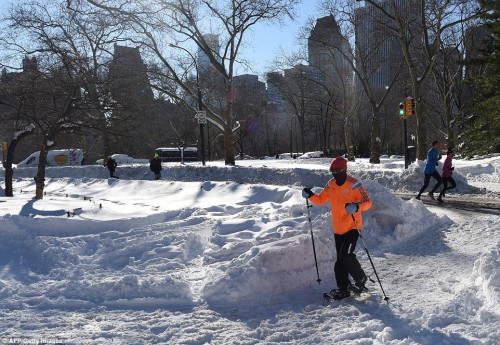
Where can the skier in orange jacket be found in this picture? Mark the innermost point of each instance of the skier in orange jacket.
(347, 200)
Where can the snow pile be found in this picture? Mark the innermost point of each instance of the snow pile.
(111, 268)
(263, 256)
(257, 243)
(390, 218)
(487, 275)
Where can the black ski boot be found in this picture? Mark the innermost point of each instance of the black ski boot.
(337, 294)
(359, 286)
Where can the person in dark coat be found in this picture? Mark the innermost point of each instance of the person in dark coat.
(155, 166)
(446, 174)
(111, 164)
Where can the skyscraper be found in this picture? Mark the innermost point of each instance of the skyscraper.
(330, 52)
(202, 58)
(128, 74)
(133, 95)
(376, 46)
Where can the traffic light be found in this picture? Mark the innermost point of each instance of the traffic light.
(409, 106)
(401, 109)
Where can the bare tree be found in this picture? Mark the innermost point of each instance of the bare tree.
(81, 39)
(70, 93)
(52, 106)
(366, 61)
(12, 117)
(215, 28)
(13, 89)
(448, 76)
(419, 26)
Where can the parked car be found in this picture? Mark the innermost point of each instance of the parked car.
(122, 158)
(313, 154)
(54, 158)
(238, 157)
(287, 155)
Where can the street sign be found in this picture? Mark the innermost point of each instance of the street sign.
(201, 115)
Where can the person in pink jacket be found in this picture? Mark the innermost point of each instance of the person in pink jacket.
(446, 174)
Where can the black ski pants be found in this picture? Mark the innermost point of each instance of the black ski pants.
(347, 263)
(427, 179)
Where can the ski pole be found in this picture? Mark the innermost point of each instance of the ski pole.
(357, 185)
(312, 238)
(370, 258)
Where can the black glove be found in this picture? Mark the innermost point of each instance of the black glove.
(307, 193)
(351, 208)
(452, 168)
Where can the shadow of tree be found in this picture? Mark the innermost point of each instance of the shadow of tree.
(29, 210)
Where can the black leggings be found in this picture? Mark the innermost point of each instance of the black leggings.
(427, 178)
(445, 184)
(347, 263)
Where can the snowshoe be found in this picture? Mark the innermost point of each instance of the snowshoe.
(337, 294)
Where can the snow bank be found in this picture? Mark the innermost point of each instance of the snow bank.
(261, 257)
(486, 274)
(246, 239)
(273, 172)
(411, 179)
(130, 268)
(390, 219)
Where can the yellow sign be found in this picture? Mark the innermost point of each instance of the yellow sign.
(61, 159)
(4, 146)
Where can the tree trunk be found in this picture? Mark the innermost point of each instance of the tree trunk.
(451, 134)
(421, 129)
(375, 139)
(348, 142)
(9, 171)
(105, 145)
(302, 139)
(40, 175)
(228, 147)
(450, 140)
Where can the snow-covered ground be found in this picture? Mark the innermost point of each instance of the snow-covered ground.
(223, 255)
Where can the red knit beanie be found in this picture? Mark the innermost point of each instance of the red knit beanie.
(337, 163)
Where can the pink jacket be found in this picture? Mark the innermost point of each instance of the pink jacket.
(446, 172)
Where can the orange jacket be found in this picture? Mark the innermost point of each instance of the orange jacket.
(339, 196)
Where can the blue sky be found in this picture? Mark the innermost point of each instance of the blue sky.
(263, 41)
